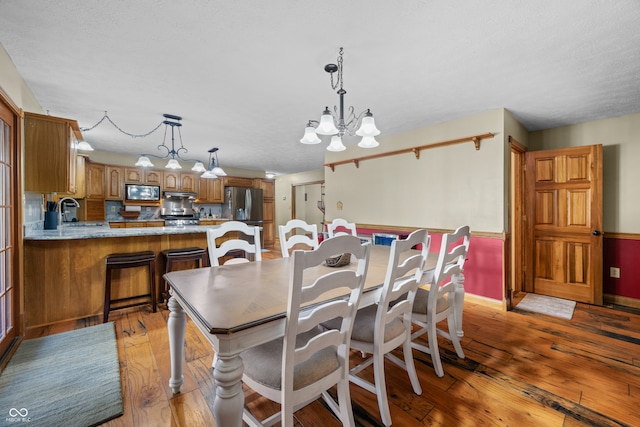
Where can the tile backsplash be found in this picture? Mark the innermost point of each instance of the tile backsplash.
(33, 212)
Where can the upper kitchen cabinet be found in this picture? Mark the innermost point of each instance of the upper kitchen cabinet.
(114, 176)
(142, 176)
(234, 181)
(210, 191)
(50, 152)
(133, 176)
(268, 188)
(152, 177)
(94, 177)
(171, 181)
(188, 182)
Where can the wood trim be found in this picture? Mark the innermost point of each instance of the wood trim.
(492, 235)
(4, 97)
(517, 145)
(484, 301)
(415, 150)
(620, 300)
(629, 236)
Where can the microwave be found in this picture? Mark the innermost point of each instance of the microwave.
(135, 192)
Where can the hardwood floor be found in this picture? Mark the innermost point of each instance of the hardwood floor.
(520, 369)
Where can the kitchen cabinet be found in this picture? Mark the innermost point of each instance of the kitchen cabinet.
(133, 176)
(234, 181)
(268, 224)
(210, 191)
(152, 177)
(94, 177)
(268, 210)
(188, 182)
(268, 188)
(81, 185)
(171, 181)
(50, 151)
(114, 176)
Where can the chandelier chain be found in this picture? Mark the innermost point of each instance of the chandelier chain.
(339, 79)
(106, 116)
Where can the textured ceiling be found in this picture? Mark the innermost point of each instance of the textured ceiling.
(247, 75)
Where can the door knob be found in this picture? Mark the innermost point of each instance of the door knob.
(595, 232)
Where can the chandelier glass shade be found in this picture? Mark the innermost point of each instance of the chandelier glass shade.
(173, 153)
(338, 125)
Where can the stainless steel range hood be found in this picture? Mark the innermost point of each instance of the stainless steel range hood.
(178, 195)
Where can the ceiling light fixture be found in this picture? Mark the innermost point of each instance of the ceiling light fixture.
(335, 123)
(214, 170)
(173, 122)
(270, 175)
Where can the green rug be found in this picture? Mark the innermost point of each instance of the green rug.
(67, 379)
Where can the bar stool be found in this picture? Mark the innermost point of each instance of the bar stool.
(130, 260)
(171, 256)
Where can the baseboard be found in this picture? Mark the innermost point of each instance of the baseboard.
(486, 302)
(616, 299)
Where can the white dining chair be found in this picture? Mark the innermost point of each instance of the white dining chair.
(234, 243)
(289, 238)
(308, 361)
(381, 328)
(336, 227)
(442, 300)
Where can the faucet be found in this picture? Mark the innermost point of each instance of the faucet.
(60, 202)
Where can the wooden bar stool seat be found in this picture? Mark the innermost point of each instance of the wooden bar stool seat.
(130, 260)
(171, 256)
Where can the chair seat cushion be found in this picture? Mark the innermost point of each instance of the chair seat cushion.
(364, 325)
(130, 257)
(263, 363)
(183, 252)
(422, 298)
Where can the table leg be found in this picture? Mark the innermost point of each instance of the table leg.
(176, 325)
(459, 303)
(229, 403)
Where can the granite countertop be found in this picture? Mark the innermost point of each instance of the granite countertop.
(99, 230)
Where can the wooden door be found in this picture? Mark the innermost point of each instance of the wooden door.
(564, 212)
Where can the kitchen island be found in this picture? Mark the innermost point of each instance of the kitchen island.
(64, 269)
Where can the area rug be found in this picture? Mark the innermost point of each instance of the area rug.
(551, 306)
(67, 379)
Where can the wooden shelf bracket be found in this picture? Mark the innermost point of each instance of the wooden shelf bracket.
(415, 150)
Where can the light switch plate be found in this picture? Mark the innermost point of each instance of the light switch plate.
(614, 272)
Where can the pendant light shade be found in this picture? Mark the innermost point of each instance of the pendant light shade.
(368, 126)
(144, 162)
(173, 164)
(326, 126)
(209, 174)
(368, 142)
(84, 146)
(310, 136)
(198, 167)
(336, 144)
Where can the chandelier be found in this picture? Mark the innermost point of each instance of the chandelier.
(214, 169)
(335, 123)
(172, 122)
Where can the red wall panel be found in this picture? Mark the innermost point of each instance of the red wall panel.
(624, 254)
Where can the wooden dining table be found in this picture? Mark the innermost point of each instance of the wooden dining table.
(240, 306)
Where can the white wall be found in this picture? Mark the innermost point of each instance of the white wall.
(446, 187)
(620, 138)
(284, 184)
(12, 83)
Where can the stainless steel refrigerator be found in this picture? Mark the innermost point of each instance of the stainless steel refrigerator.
(243, 204)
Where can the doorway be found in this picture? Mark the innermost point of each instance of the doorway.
(307, 203)
(555, 223)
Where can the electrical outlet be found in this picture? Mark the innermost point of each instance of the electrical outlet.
(614, 272)
(113, 208)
